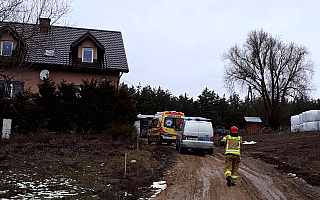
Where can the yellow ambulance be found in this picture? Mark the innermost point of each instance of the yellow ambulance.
(164, 127)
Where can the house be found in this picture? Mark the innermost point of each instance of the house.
(252, 125)
(31, 53)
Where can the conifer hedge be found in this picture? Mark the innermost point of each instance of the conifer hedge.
(92, 108)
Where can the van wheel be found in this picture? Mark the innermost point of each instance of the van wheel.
(182, 150)
(210, 152)
(177, 146)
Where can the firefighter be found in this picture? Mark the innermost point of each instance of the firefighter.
(232, 155)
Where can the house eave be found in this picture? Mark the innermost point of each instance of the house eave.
(86, 69)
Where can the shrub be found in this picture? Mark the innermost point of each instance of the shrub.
(5, 150)
(61, 108)
(68, 107)
(122, 131)
(98, 103)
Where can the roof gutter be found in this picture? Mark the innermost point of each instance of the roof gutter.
(78, 68)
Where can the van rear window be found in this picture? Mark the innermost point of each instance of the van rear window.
(170, 122)
(206, 128)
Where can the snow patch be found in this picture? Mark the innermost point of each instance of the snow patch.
(50, 188)
(3, 192)
(252, 142)
(291, 174)
(158, 186)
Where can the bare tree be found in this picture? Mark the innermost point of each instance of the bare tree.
(21, 18)
(273, 69)
(29, 11)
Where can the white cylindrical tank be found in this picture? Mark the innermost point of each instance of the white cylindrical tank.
(295, 128)
(311, 126)
(304, 117)
(295, 120)
(301, 127)
(301, 118)
(292, 128)
(312, 116)
(305, 126)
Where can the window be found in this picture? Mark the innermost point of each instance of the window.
(87, 55)
(182, 126)
(6, 48)
(49, 52)
(102, 80)
(170, 122)
(9, 90)
(154, 123)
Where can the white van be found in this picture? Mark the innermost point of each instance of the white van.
(195, 134)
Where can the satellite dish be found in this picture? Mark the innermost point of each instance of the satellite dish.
(102, 80)
(44, 74)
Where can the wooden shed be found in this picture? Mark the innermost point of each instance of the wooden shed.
(252, 125)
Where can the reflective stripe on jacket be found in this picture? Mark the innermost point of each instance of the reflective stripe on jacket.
(233, 144)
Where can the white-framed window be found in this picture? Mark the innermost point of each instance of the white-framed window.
(87, 55)
(10, 90)
(6, 48)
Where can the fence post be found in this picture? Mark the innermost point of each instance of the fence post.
(137, 142)
(125, 165)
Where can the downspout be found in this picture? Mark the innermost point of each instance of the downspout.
(118, 81)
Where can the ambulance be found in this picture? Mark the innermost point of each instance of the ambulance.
(164, 127)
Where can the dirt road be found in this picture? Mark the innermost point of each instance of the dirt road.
(202, 177)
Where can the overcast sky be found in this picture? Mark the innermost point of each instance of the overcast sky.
(178, 44)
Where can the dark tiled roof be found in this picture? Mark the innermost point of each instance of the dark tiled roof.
(60, 39)
(91, 37)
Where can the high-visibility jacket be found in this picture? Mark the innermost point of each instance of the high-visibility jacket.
(233, 144)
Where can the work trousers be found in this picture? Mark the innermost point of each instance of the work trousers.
(232, 164)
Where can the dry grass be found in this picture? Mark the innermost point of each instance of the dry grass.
(94, 163)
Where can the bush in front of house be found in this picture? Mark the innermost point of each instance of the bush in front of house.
(98, 103)
(101, 105)
(68, 106)
(93, 109)
(23, 110)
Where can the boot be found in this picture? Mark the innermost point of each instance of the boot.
(228, 181)
(233, 184)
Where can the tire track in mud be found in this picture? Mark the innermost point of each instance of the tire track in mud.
(263, 183)
(196, 177)
(183, 181)
(207, 176)
(202, 177)
(290, 187)
(244, 185)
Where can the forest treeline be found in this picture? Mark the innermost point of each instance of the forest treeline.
(95, 108)
(223, 110)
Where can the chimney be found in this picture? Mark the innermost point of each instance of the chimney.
(44, 24)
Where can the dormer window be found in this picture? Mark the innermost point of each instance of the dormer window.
(6, 48)
(87, 51)
(87, 55)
